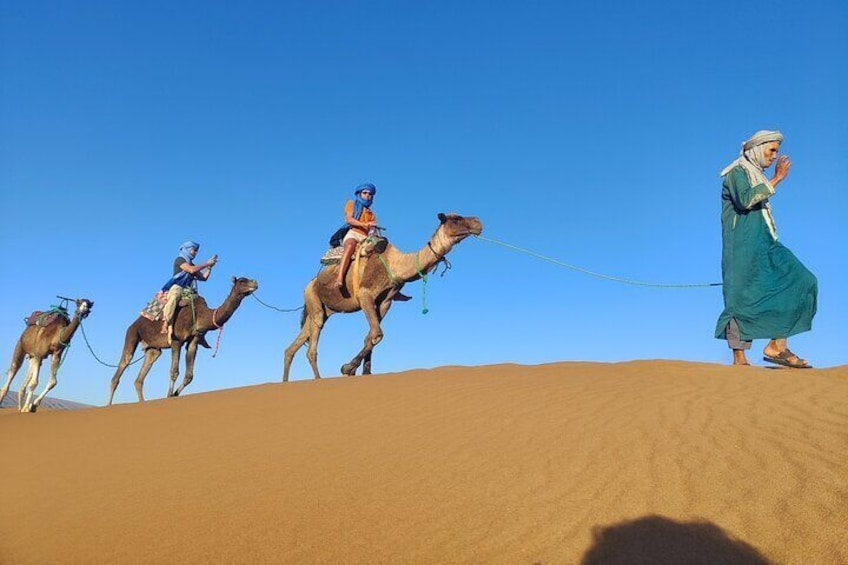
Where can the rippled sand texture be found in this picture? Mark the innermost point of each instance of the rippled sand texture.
(641, 462)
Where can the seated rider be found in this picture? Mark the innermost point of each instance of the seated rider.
(186, 275)
(361, 220)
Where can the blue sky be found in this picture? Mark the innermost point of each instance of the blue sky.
(589, 132)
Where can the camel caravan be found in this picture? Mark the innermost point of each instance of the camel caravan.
(179, 317)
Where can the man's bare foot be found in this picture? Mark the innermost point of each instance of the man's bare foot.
(739, 358)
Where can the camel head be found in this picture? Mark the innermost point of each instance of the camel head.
(456, 227)
(243, 286)
(84, 306)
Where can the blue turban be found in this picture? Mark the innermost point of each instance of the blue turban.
(360, 203)
(183, 278)
(185, 249)
(367, 185)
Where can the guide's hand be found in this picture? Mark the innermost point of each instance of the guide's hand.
(781, 169)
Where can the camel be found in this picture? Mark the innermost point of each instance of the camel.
(190, 327)
(381, 279)
(37, 342)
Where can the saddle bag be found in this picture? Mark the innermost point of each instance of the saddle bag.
(338, 235)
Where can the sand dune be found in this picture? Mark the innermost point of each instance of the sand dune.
(49, 403)
(642, 462)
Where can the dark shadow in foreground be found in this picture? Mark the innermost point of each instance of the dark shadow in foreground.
(654, 540)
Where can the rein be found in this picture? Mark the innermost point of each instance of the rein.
(423, 276)
(220, 332)
(592, 273)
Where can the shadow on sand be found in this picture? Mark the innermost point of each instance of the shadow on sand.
(656, 540)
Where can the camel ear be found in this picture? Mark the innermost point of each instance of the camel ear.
(234, 280)
(442, 218)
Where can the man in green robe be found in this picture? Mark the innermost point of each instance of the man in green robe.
(768, 293)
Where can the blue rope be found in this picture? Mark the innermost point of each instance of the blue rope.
(423, 276)
(599, 275)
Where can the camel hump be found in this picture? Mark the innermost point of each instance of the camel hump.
(198, 301)
(44, 319)
(187, 300)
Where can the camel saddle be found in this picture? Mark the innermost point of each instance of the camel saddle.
(332, 256)
(44, 319)
(372, 244)
(153, 310)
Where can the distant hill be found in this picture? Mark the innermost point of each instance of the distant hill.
(11, 401)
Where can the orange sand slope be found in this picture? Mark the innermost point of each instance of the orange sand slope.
(642, 462)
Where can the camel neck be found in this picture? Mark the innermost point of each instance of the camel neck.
(70, 329)
(410, 266)
(225, 311)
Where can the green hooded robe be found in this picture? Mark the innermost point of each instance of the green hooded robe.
(766, 288)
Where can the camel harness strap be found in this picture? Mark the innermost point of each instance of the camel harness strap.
(220, 332)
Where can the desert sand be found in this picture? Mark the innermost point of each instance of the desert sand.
(655, 462)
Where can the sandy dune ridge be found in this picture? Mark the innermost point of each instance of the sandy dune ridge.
(638, 462)
(48, 403)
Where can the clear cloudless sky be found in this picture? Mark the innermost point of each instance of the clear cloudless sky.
(589, 132)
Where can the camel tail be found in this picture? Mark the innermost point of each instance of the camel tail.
(303, 316)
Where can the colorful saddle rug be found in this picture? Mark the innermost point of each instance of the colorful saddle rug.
(372, 244)
(332, 256)
(153, 310)
(44, 319)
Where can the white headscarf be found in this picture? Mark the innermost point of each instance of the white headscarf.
(752, 158)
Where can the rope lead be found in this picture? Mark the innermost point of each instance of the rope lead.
(423, 276)
(274, 307)
(588, 272)
(87, 344)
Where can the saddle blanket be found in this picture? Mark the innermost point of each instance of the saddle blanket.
(332, 256)
(153, 310)
(44, 319)
(373, 244)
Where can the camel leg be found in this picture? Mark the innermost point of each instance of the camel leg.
(22, 391)
(29, 385)
(55, 362)
(382, 311)
(175, 368)
(130, 345)
(191, 354)
(288, 355)
(374, 336)
(316, 324)
(311, 324)
(150, 357)
(351, 366)
(17, 359)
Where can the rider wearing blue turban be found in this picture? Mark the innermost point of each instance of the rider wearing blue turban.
(186, 275)
(361, 219)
